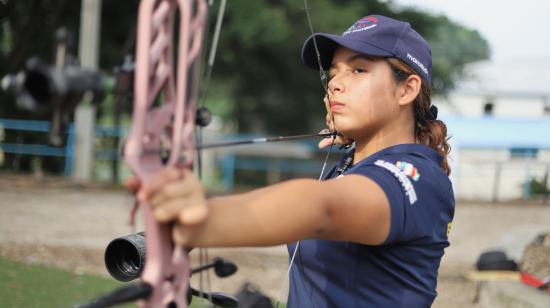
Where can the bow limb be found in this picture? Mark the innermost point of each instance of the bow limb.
(171, 125)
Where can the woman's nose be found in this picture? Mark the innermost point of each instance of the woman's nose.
(335, 84)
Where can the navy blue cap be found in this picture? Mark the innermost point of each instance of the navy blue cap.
(374, 35)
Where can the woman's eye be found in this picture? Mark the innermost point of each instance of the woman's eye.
(359, 70)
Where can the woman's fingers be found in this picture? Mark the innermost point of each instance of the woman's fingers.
(328, 116)
(156, 182)
(175, 196)
(327, 104)
(168, 210)
(180, 235)
(340, 140)
(325, 142)
(132, 184)
(187, 185)
(195, 213)
(331, 127)
(188, 211)
(183, 199)
(183, 235)
(330, 122)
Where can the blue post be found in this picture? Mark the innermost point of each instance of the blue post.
(69, 150)
(228, 171)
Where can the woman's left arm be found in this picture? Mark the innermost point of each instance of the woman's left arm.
(351, 208)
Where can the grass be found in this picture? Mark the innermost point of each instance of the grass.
(24, 285)
(28, 286)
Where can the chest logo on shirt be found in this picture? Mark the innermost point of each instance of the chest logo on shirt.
(401, 177)
(408, 169)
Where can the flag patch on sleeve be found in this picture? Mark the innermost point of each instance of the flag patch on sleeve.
(408, 169)
(401, 177)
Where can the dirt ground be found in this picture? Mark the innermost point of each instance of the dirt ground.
(65, 225)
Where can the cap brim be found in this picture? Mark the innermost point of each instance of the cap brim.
(327, 44)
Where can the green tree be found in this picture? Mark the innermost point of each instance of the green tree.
(259, 84)
(269, 89)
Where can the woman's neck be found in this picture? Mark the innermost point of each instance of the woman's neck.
(382, 139)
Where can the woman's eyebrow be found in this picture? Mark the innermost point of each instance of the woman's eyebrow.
(354, 58)
(360, 57)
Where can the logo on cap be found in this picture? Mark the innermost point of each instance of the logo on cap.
(362, 24)
(418, 63)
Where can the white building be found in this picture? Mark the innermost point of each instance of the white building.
(501, 141)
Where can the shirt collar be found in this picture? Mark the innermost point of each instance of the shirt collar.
(415, 149)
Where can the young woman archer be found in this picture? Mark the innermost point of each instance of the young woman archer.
(373, 232)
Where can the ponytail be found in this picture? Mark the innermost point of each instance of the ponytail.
(427, 130)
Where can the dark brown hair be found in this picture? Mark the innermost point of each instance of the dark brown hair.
(430, 132)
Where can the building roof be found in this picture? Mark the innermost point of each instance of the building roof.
(490, 132)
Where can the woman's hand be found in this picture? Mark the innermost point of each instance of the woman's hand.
(325, 142)
(175, 196)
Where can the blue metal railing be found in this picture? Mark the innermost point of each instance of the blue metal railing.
(229, 163)
(38, 149)
(67, 151)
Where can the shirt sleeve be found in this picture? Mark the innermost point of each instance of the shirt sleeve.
(395, 193)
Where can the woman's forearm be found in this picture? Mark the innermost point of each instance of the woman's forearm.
(273, 215)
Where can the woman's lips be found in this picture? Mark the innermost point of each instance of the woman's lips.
(335, 106)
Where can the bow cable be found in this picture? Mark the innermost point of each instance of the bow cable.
(324, 82)
(203, 252)
(202, 99)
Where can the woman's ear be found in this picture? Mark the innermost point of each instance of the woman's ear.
(409, 89)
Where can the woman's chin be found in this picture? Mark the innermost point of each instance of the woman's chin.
(354, 133)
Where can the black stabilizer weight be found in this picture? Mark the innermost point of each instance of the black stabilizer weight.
(126, 294)
(203, 117)
(218, 298)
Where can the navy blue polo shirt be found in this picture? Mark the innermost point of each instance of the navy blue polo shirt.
(402, 272)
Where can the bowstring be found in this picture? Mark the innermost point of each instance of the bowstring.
(324, 82)
(203, 252)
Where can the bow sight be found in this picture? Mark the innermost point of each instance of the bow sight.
(125, 259)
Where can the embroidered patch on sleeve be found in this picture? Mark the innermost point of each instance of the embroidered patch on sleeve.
(401, 177)
(409, 169)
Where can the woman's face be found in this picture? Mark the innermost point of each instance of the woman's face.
(362, 93)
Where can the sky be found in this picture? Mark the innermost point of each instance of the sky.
(518, 33)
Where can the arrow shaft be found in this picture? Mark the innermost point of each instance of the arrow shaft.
(262, 140)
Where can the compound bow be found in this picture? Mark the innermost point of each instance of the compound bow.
(164, 118)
